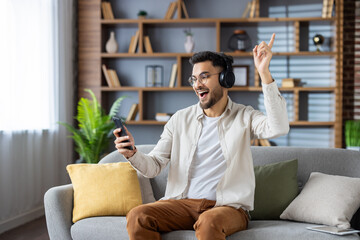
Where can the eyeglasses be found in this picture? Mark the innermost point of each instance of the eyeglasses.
(202, 78)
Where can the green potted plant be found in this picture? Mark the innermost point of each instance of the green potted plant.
(352, 134)
(94, 128)
(142, 14)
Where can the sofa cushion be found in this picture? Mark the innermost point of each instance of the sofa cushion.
(104, 189)
(326, 199)
(114, 228)
(147, 194)
(276, 187)
(109, 228)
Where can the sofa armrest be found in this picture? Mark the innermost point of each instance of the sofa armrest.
(58, 202)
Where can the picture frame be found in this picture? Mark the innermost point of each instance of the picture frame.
(241, 73)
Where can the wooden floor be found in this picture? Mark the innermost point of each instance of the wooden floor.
(35, 230)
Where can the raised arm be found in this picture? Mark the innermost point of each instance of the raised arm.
(276, 122)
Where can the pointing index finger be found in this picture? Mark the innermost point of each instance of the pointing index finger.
(272, 40)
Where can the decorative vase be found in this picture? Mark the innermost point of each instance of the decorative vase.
(111, 45)
(239, 41)
(189, 44)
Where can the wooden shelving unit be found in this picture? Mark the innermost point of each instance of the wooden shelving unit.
(91, 57)
(212, 20)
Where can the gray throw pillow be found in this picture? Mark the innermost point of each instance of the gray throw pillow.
(326, 199)
(147, 194)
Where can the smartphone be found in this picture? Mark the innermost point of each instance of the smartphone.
(119, 124)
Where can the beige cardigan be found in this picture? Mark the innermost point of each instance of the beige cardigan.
(237, 126)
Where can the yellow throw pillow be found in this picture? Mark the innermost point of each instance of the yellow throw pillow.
(110, 189)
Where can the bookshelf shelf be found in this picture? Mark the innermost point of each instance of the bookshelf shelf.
(293, 123)
(188, 55)
(212, 20)
(233, 89)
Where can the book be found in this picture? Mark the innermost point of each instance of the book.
(147, 44)
(333, 230)
(290, 82)
(327, 9)
(330, 8)
(134, 42)
(324, 8)
(110, 11)
(252, 9)
(163, 117)
(132, 113)
(107, 76)
(171, 10)
(173, 75)
(184, 9)
(114, 78)
(247, 10)
(104, 11)
(107, 10)
(168, 10)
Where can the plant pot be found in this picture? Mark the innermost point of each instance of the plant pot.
(355, 148)
(141, 17)
(80, 160)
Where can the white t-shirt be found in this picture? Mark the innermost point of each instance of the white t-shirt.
(209, 163)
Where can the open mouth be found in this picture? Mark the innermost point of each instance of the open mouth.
(203, 94)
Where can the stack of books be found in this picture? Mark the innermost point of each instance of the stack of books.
(107, 10)
(250, 9)
(328, 6)
(172, 8)
(290, 82)
(163, 117)
(111, 77)
(133, 112)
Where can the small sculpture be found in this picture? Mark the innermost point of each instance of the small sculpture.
(318, 40)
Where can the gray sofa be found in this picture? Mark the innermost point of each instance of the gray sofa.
(59, 200)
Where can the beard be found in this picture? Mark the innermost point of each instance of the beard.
(213, 98)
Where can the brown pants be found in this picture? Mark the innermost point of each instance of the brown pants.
(149, 220)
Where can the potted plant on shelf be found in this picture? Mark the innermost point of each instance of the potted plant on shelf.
(189, 43)
(352, 134)
(142, 14)
(94, 128)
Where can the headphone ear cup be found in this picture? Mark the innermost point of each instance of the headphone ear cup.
(227, 79)
(222, 78)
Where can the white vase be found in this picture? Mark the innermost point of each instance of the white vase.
(111, 45)
(189, 44)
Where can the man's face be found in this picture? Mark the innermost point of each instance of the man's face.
(210, 91)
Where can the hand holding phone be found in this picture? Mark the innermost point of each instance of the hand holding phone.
(119, 124)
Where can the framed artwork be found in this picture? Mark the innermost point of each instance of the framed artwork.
(241, 73)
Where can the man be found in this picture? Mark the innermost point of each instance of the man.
(211, 179)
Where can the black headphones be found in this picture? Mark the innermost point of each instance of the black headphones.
(227, 76)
